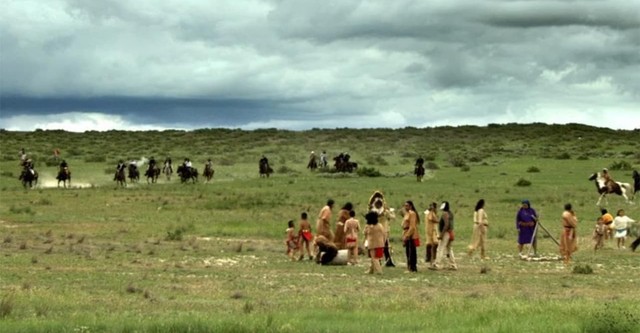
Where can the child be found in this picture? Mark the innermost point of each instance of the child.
(304, 236)
(351, 230)
(374, 233)
(292, 241)
(598, 234)
(620, 225)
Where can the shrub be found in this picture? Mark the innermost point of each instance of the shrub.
(6, 306)
(368, 172)
(465, 168)
(533, 169)
(622, 165)
(457, 161)
(432, 166)
(582, 269)
(175, 235)
(96, 159)
(612, 318)
(563, 156)
(523, 182)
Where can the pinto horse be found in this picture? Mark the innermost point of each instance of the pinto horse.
(30, 177)
(619, 188)
(64, 176)
(167, 170)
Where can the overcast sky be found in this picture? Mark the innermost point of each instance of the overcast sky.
(146, 64)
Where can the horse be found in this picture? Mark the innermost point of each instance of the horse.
(152, 173)
(313, 164)
(134, 174)
(64, 176)
(120, 178)
(265, 169)
(187, 173)
(29, 176)
(419, 172)
(636, 182)
(208, 172)
(167, 170)
(619, 188)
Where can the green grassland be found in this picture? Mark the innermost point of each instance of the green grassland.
(172, 257)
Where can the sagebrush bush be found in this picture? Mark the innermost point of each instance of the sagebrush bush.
(523, 182)
(533, 169)
(622, 165)
(368, 172)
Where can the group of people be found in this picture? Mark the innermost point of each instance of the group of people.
(439, 234)
(608, 227)
(328, 241)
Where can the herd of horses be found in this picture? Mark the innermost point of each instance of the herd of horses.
(29, 176)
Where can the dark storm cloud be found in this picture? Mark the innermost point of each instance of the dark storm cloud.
(304, 64)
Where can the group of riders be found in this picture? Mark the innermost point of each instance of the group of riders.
(342, 162)
(185, 170)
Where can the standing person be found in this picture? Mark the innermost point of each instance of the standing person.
(343, 216)
(526, 220)
(445, 227)
(410, 235)
(351, 230)
(480, 225)
(621, 226)
(598, 235)
(378, 205)
(431, 232)
(305, 236)
(568, 241)
(291, 242)
(374, 234)
(607, 219)
(323, 225)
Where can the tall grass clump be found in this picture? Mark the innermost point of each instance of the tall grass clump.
(622, 165)
(533, 169)
(612, 318)
(523, 182)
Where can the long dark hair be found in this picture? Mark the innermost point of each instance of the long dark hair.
(348, 206)
(413, 208)
(480, 204)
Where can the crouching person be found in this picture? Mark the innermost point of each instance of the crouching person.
(327, 250)
(375, 236)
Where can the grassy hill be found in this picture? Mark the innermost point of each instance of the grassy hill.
(172, 257)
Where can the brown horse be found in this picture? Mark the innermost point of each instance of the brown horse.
(120, 178)
(29, 177)
(64, 176)
(208, 172)
(153, 172)
(265, 169)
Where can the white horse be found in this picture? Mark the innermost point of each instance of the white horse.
(619, 188)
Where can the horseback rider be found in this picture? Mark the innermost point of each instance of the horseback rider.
(323, 159)
(187, 164)
(209, 164)
(152, 163)
(608, 181)
(28, 166)
(64, 167)
(119, 168)
(419, 161)
(167, 164)
(264, 161)
(23, 157)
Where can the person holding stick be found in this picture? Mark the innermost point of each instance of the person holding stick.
(526, 221)
(568, 241)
